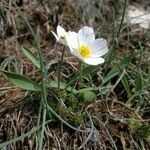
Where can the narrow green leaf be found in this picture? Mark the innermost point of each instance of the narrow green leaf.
(138, 93)
(126, 86)
(84, 72)
(138, 82)
(31, 56)
(54, 84)
(89, 69)
(21, 81)
(116, 70)
(110, 75)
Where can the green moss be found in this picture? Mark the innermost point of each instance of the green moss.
(70, 113)
(72, 101)
(144, 131)
(133, 125)
(77, 120)
(138, 128)
(54, 96)
(71, 117)
(61, 94)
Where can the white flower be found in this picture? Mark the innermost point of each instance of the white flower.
(61, 35)
(84, 46)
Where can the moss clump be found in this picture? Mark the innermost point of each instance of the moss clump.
(72, 102)
(71, 117)
(71, 108)
(138, 128)
(77, 120)
(133, 125)
(61, 94)
(144, 131)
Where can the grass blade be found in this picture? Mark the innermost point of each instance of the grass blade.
(31, 57)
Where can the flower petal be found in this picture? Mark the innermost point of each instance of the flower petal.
(86, 35)
(72, 39)
(60, 31)
(57, 38)
(73, 44)
(94, 61)
(76, 53)
(99, 47)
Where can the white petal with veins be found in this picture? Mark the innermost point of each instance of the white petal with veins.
(99, 47)
(94, 61)
(86, 35)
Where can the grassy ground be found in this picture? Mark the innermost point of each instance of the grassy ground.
(118, 112)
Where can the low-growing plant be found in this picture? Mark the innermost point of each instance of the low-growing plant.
(89, 51)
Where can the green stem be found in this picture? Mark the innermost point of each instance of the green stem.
(122, 19)
(43, 127)
(91, 130)
(80, 68)
(59, 67)
(43, 86)
(79, 72)
(38, 123)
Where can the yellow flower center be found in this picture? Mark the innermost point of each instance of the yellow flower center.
(84, 50)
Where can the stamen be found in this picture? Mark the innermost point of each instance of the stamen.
(84, 50)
